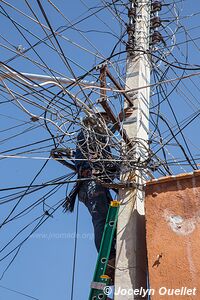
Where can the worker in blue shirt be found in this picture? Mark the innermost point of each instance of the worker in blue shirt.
(92, 160)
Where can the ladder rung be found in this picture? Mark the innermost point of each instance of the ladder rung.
(98, 285)
(100, 279)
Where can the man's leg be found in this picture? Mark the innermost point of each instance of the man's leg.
(98, 204)
(96, 198)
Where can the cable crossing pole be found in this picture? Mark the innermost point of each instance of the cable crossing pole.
(131, 261)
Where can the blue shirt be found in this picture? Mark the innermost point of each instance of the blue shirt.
(91, 146)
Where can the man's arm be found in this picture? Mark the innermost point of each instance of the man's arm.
(58, 154)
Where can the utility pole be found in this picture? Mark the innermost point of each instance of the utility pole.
(131, 262)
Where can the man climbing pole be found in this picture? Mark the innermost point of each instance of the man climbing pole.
(92, 162)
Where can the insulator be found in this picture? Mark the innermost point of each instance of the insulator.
(130, 29)
(130, 45)
(132, 12)
(133, 2)
(156, 22)
(156, 6)
(157, 37)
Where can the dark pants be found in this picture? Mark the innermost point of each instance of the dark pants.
(97, 199)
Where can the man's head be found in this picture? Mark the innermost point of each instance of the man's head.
(97, 118)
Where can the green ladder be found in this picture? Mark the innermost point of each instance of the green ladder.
(100, 279)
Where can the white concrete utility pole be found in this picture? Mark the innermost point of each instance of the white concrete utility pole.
(131, 265)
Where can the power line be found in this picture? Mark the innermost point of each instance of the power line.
(17, 292)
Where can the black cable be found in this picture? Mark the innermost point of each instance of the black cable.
(75, 251)
(27, 189)
(28, 145)
(175, 134)
(17, 292)
(181, 132)
(40, 223)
